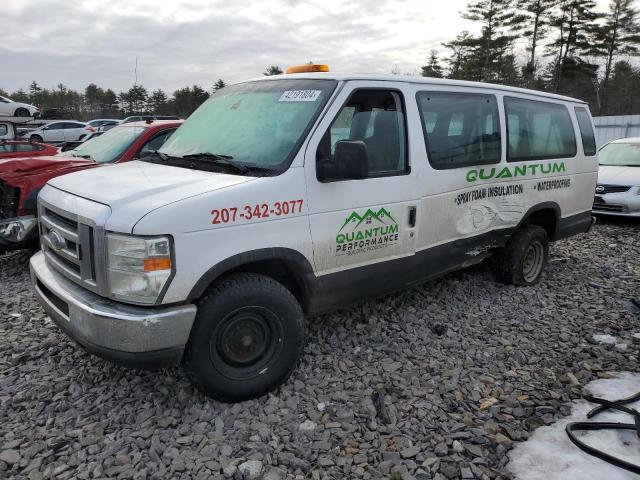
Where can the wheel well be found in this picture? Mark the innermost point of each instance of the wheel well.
(545, 218)
(281, 271)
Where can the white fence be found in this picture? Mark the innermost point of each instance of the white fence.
(612, 128)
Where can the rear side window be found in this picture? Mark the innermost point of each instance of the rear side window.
(538, 130)
(460, 129)
(586, 131)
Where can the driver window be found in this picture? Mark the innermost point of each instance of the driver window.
(375, 117)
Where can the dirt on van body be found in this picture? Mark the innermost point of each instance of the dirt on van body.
(435, 382)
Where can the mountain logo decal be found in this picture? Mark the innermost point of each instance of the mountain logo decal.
(366, 232)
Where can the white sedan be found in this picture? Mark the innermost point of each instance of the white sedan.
(618, 189)
(62, 131)
(16, 109)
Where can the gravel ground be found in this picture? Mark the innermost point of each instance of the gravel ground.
(436, 382)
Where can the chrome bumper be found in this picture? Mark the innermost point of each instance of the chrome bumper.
(133, 336)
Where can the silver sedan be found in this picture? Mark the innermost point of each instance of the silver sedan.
(618, 189)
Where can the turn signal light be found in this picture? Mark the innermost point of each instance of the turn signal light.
(155, 264)
(308, 68)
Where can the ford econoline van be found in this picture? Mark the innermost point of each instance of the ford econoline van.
(287, 196)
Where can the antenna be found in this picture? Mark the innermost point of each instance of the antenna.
(135, 71)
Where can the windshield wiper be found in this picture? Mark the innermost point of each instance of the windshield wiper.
(209, 155)
(219, 159)
(88, 157)
(206, 161)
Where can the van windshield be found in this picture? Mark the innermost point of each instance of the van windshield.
(254, 124)
(109, 146)
(620, 154)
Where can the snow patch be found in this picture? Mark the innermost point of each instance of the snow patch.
(636, 335)
(607, 339)
(549, 454)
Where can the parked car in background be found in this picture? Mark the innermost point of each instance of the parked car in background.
(618, 188)
(11, 147)
(23, 148)
(76, 143)
(140, 118)
(16, 109)
(103, 124)
(57, 132)
(22, 179)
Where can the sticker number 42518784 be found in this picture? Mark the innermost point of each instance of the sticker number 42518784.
(257, 211)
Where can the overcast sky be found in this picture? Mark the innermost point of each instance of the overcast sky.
(186, 42)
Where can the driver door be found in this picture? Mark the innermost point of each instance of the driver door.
(359, 223)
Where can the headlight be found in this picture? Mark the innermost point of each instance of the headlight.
(138, 268)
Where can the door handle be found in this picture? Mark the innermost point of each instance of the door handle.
(412, 217)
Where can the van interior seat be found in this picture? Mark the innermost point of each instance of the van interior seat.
(383, 147)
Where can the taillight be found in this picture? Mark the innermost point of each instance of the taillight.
(90, 129)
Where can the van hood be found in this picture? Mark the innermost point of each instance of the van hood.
(611, 175)
(134, 189)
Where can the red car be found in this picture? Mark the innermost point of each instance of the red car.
(22, 178)
(23, 149)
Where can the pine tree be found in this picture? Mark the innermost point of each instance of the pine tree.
(494, 16)
(574, 23)
(624, 88)
(532, 21)
(219, 84)
(272, 70)
(461, 53)
(433, 68)
(619, 34)
(157, 102)
(93, 97)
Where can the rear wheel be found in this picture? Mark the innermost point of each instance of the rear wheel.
(36, 138)
(22, 112)
(246, 340)
(522, 260)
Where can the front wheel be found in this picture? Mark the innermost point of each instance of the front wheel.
(522, 260)
(36, 138)
(22, 112)
(246, 339)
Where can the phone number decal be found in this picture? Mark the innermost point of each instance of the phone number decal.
(252, 212)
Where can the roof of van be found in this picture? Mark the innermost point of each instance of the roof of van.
(420, 80)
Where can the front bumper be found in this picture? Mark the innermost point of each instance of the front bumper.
(127, 335)
(624, 204)
(18, 232)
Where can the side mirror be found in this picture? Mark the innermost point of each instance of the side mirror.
(144, 153)
(350, 162)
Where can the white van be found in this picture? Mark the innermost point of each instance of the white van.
(287, 196)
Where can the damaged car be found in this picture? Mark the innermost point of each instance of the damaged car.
(21, 179)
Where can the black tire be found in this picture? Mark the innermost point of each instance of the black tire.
(22, 112)
(246, 340)
(36, 138)
(522, 260)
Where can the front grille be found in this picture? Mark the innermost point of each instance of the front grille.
(603, 189)
(76, 257)
(607, 207)
(72, 236)
(9, 198)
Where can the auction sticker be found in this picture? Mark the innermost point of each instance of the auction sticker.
(300, 96)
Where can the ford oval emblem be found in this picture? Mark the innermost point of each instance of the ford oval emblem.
(599, 189)
(56, 240)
